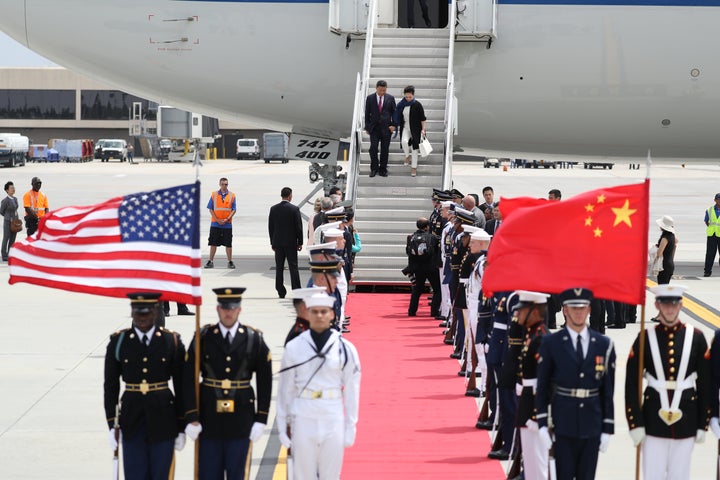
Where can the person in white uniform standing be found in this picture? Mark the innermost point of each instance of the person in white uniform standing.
(318, 395)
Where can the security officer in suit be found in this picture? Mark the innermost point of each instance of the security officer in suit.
(229, 416)
(379, 124)
(675, 411)
(530, 314)
(576, 376)
(147, 357)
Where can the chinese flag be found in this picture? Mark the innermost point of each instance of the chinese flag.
(596, 240)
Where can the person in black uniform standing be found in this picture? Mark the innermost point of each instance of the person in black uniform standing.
(531, 311)
(229, 416)
(675, 411)
(147, 358)
(576, 375)
(421, 249)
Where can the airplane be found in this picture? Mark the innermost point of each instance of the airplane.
(586, 77)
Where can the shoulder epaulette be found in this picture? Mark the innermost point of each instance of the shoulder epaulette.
(256, 330)
(119, 332)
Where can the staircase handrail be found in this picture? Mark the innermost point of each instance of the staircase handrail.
(449, 96)
(359, 107)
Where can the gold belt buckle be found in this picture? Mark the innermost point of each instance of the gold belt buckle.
(144, 387)
(225, 406)
(225, 384)
(316, 394)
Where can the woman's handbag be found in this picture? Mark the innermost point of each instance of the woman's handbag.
(16, 225)
(425, 147)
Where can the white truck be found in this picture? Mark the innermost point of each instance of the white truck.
(13, 149)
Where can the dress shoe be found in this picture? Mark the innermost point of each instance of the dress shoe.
(462, 373)
(384, 173)
(440, 317)
(456, 355)
(499, 454)
(707, 274)
(412, 314)
(185, 312)
(614, 325)
(345, 330)
(473, 392)
(347, 317)
(448, 341)
(443, 324)
(373, 173)
(487, 425)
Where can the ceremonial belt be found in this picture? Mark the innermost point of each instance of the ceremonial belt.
(463, 280)
(317, 394)
(226, 384)
(529, 382)
(500, 326)
(577, 392)
(145, 387)
(689, 382)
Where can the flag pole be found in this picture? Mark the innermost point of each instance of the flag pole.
(197, 387)
(641, 347)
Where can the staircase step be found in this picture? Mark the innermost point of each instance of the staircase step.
(401, 203)
(390, 214)
(409, 62)
(416, 52)
(378, 276)
(396, 238)
(431, 89)
(385, 226)
(431, 181)
(421, 74)
(399, 158)
(402, 170)
(392, 192)
(421, 42)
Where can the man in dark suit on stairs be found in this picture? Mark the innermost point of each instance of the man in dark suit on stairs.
(379, 108)
(286, 238)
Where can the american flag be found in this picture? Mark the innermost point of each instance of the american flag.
(140, 242)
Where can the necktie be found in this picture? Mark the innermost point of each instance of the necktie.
(380, 104)
(145, 340)
(228, 340)
(579, 350)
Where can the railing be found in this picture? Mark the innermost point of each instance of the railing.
(449, 102)
(494, 19)
(359, 107)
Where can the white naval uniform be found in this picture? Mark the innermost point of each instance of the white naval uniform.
(342, 286)
(473, 289)
(320, 402)
(446, 304)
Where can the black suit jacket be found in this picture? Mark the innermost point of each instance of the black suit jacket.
(375, 120)
(491, 226)
(285, 225)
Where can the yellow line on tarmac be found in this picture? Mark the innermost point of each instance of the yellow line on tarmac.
(697, 309)
(280, 472)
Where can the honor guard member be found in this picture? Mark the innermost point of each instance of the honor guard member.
(507, 383)
(436, 219)
(325, 273)
(675, 410)
(479, 241)
(445, 255)
(147, 358)
(229, 416)
(338, 236)
(467, 264)
(500, 305)
(576, 375)
(318, 395)
(530, 313)
(301, 321)
(460, 245)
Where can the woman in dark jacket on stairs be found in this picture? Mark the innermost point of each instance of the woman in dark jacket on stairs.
(410, 115)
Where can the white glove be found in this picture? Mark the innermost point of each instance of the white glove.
(193, 431)
(112, 441)
(700, 436)
(518, 389)
(637, 435)
(545, 440)
(715, 426)
(532, 425)
(350, 432)
(180, 442)
(604, 442)
(256, 431)
(285, 440)
(486, 347)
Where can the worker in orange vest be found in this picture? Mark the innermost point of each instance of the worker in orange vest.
(222, 209)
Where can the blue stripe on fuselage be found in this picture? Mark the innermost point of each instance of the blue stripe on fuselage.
(624, 3)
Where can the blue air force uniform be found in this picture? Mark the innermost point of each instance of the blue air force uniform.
(580, 393)
(150, 415)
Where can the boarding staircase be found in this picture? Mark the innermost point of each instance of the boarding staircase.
(386, 208)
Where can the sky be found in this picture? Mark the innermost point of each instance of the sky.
(16, 55)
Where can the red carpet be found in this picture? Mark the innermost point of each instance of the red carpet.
(414, 420)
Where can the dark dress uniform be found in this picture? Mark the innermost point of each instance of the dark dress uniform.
(299, 327)
(228, 405)
(506, 380)
(150, 415)
(581, 395)
(694, 401)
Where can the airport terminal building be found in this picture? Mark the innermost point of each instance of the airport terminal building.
(52, 102)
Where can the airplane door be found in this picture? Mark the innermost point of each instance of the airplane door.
(422, 13)
(348, 16)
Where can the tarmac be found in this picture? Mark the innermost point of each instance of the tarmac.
(53, 344)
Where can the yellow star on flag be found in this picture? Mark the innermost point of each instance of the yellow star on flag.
(601, 198)
(623, 214)
(598, 232)
(588, 221)
(589, 207)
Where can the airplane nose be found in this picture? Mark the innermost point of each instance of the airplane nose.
(12, 20)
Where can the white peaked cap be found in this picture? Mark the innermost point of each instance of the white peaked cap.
(319, 300)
